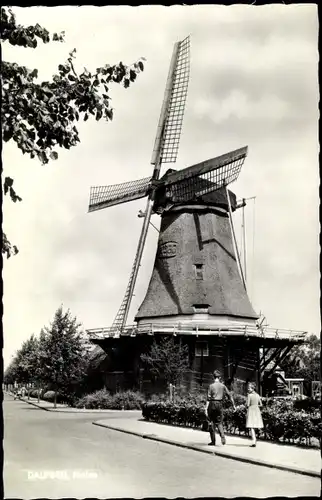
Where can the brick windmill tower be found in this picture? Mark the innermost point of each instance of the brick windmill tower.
(197, 289)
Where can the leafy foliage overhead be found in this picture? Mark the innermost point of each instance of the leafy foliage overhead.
(41, 117)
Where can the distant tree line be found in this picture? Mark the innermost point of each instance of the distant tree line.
(56, 359)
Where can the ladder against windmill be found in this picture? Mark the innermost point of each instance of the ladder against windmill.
(197, 290)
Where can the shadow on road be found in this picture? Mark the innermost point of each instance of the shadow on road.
(31, 408)
(242, 445)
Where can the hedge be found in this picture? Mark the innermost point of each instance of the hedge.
(50, 396)
(102, 399)
(33, 393)
(280, 424)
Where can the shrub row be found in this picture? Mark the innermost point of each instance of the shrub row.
(102, 399)
(309, 405)
(280, 424)
(34, 393)
(50, 396)
(46, 395)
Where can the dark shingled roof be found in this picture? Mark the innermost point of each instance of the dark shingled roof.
(191, 237)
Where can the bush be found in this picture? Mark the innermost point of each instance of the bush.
(42, 392)
(281, 422)
(235, 420)
(174, 413)
(50, 396)
(193, 398)
(239, 399)
(128, 400)
(309, 405)
(96, 401)
(316, 426)
(156, 398)
(279, 405)
(103, 400)
(34, 393)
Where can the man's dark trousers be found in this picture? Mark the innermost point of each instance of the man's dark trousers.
(216, 416)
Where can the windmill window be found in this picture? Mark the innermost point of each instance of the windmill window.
(201, 308)
(199, 271)
(201, 349)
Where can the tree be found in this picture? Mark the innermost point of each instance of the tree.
(63, 357)
(23, 367)
(39, 367)
(27, 361)
(10, 374)
(304, 360)
(167, 359)
(42, 116)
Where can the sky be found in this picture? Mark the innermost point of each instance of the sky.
(253, 81)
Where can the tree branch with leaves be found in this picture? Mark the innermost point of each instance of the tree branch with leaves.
(41, 117)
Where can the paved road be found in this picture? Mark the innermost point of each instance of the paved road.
(91, 461)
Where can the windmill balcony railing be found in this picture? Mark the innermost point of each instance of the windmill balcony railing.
(198, 329)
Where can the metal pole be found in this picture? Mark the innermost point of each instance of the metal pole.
(234, 238)
(253, 256)
(201, 374)
(244, 240)
(142, 214)
(259, 375)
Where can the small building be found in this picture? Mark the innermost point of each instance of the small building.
(278, 385)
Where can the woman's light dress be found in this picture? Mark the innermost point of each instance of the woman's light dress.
(254, 418)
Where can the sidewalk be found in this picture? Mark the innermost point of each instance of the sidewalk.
(45, 405)
(290, 458)
(60, 408)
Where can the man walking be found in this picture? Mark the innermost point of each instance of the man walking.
(214, 407)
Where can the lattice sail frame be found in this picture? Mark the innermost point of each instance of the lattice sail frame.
(170, 124)
(117, 325)
(190, 183)
(107, 196)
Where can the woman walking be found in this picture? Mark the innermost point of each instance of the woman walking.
(254, 418)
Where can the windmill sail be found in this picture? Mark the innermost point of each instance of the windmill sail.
(107, 196)
(170, 123)
(165, 150)
(118, 322)
(217, 172)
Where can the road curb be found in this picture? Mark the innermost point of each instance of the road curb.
(154, 437)
(222, 454)
(34, 404)
(75, 410)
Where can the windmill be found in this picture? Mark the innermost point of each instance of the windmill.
(198, 287)
(191, 182)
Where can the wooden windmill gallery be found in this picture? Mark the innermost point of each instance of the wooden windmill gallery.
(197, 290)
